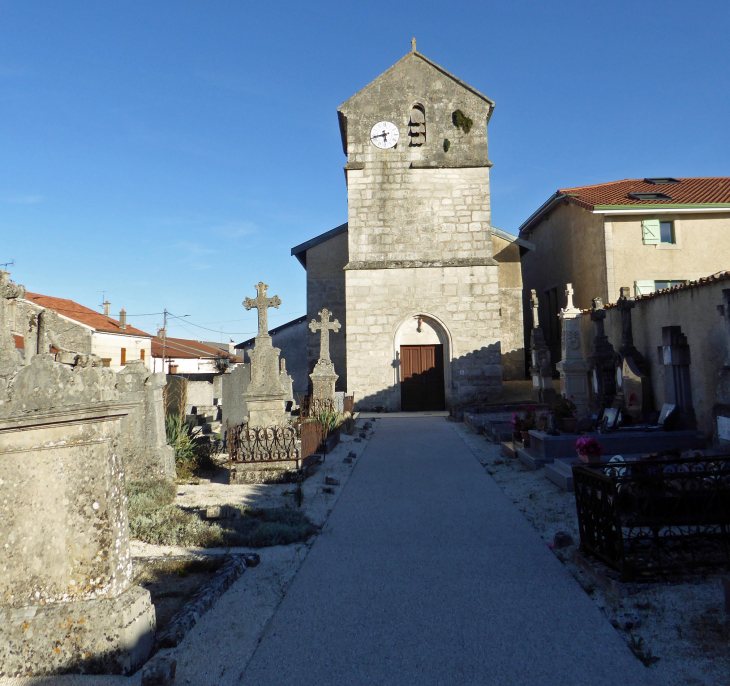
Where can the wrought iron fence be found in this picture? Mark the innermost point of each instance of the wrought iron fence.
(654, 516)
(310, 406)
(349, 403)
(274, 443)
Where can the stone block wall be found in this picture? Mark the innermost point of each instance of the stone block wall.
(463, 300)
(402, 215)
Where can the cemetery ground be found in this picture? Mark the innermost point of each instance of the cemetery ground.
(679, 629)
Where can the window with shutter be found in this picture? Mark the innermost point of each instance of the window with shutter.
(643, 288)
(650, 231)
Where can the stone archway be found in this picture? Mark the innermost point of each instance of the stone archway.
(422, 353)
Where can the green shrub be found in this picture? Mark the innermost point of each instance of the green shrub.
(447, 144)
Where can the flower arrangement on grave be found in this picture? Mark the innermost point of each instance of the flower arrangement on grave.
(542, 422)
(588, 449)
(529, 418)
(563, 407)
(515, 422)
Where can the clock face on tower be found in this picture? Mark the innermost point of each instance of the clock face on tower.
(384, 135)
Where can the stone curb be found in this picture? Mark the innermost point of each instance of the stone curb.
(204, 600)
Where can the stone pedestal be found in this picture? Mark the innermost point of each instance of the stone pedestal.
(601, 361)
(572, 367)
(265, 398)
(66, 597)
(540, 368)
(323, 380)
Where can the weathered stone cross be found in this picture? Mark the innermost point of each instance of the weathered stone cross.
(262, 304)
(324, 327)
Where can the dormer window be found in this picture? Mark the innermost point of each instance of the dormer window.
(417, 126)
(662, 180)
(650, 196)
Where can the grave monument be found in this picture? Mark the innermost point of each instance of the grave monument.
(540, 363)
(633, 388)
(324, 377)
(572, 367)
(721, 409)
(601, 361)
(674, 356)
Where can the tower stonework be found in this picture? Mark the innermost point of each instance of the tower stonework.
(420, 266)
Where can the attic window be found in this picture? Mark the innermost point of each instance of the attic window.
(417, 126)
(660, 181)
(650, 196)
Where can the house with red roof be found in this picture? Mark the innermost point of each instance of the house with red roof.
(195, 360)
(44, 323)
(648, 234)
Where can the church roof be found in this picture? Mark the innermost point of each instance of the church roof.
(300, 251)
(417, 55)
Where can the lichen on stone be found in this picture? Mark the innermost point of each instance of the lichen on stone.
(461, 121)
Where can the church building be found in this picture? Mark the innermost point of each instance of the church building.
(428, 293)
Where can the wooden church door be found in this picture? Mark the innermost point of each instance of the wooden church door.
(422, 377)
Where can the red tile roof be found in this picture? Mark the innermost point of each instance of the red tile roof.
(187, 349)
(79, 313)
(712, 190)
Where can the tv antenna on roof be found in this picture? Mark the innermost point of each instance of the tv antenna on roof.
(4, 265)
(103, 297)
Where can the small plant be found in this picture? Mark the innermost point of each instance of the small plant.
(447, 144)
(589, 447)
(461, 121)
(563, 407)
(329, 419)
(516, 422)
(529, 419)
(637, 648)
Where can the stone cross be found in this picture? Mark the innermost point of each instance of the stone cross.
(569, 297)
(262, 303)
(413, 45)
(324, 327)
(8, 291)
(534, 303)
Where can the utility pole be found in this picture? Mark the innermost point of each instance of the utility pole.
(164, 339)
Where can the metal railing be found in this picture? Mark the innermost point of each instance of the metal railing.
(310, 406)
(654, 516)
(293, 441)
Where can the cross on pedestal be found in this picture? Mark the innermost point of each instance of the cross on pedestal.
(324, 327)
(262, 303)
(535, 305)
(569, 297)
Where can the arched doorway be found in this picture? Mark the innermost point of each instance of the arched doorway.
(423, 351)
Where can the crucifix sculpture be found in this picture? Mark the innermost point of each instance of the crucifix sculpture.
(262, 304)
(324, 327)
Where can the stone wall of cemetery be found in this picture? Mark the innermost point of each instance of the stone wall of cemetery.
(694, 309)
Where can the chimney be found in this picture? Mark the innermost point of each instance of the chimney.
(106, 308)
(161, 333)
(231, 347)
(122, 320)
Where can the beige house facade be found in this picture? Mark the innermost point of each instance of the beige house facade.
(428, 313)
(648, 234)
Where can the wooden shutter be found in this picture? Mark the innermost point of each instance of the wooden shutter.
(141, 354)
(650, 231)
(124, 356)
(643, 287)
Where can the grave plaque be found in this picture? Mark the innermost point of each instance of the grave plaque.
(572, 367)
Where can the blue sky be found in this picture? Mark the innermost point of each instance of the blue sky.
(172, 153)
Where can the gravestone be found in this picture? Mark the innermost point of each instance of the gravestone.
(67, 601)
(10, 358)
(287, 383)
(721, 409)
(324, 377)
(572, 367)
(540, 361)
(601, 361)
(235, 386)
(144, 447)
(674, 356)
(633, 389)
(265, 397)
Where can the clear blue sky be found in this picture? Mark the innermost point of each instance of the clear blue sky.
(172, 153)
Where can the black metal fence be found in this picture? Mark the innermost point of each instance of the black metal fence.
(294, 441)
(654, 516)
(310, 407)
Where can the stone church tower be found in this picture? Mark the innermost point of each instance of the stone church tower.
(411, 276)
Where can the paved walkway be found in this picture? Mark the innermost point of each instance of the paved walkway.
(427, 574)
